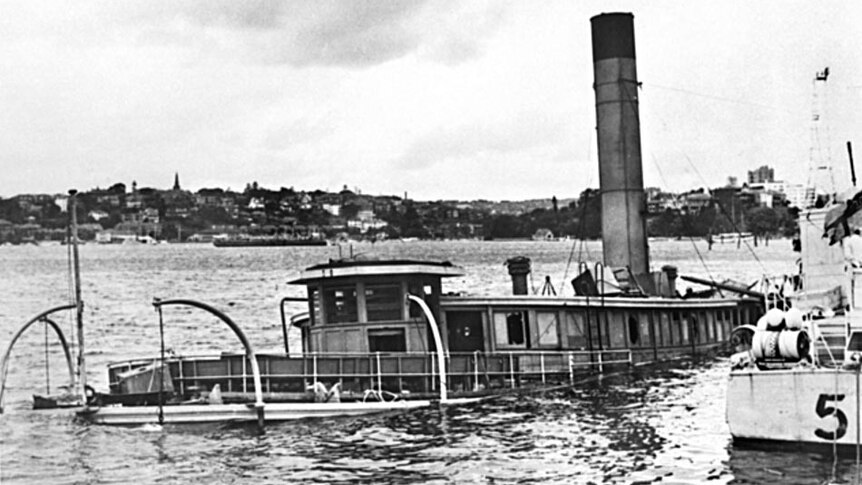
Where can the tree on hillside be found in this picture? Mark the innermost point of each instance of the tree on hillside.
(504, 226)
(761, 221)
(589, 215)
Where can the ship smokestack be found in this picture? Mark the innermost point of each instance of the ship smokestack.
(618, 125)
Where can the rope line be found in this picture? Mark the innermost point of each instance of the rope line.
(721, 98)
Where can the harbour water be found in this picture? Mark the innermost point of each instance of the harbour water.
(653, 425)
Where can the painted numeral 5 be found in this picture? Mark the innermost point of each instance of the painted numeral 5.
(825, 411)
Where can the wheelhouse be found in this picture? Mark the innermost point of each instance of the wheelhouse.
(360, 306)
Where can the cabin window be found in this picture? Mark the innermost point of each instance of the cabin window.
(575, 330)
(512, 329)
(690, 321)
(646, 320)
(383, 302)
(664, 329)
(696, 328)
(548, 334)
(634, 330)
(710, 326)
(603, 324)
(617, 331)
(680, 328)
(386, 340)
(699, 325)
(719, 325)
(340, 304)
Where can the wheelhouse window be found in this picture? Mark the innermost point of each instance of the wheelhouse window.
(314, 297)
(383, 302)
(512, 329)
(422, 291)
(386, 340)
(340, 304)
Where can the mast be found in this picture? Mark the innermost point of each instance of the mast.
(81, 378)
(821, 179)
(624, 242)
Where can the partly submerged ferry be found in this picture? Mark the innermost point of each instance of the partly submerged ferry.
(383, 334)
(369, 337)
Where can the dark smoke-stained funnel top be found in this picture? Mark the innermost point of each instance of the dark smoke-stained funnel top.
(613, 36)
(616, 84)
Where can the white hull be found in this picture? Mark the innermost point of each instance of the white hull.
(812, 406)
(220, 413)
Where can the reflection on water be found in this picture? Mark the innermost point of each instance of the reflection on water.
(661, 425)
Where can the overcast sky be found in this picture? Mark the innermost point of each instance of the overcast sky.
(440, 99)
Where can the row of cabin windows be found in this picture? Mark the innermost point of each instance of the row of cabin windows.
(383, 302)
(612, 329)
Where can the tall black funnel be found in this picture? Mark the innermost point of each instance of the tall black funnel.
(620, 172)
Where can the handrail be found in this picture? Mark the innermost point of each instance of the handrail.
(309, 355)
(284, 318)
(258, 393)
(815, 327)
(520, 365)
(40, 317)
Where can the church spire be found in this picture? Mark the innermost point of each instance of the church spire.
(176, 181)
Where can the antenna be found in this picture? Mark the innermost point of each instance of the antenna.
(852, 167)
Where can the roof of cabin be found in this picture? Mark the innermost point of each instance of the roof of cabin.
(343, 268)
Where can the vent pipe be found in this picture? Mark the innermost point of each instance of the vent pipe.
(519, 268)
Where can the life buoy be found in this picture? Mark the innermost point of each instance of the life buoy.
(90, 395)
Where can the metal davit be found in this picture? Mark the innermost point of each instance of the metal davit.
(438, 341)
(249, 351)
(42, 317)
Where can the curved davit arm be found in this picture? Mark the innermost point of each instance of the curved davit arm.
(435, 331)
(43, 317)
(249, 351)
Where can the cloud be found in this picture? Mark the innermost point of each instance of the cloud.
(334, 33)
(522, 135)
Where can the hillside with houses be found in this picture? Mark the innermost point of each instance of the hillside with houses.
(121, 213)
